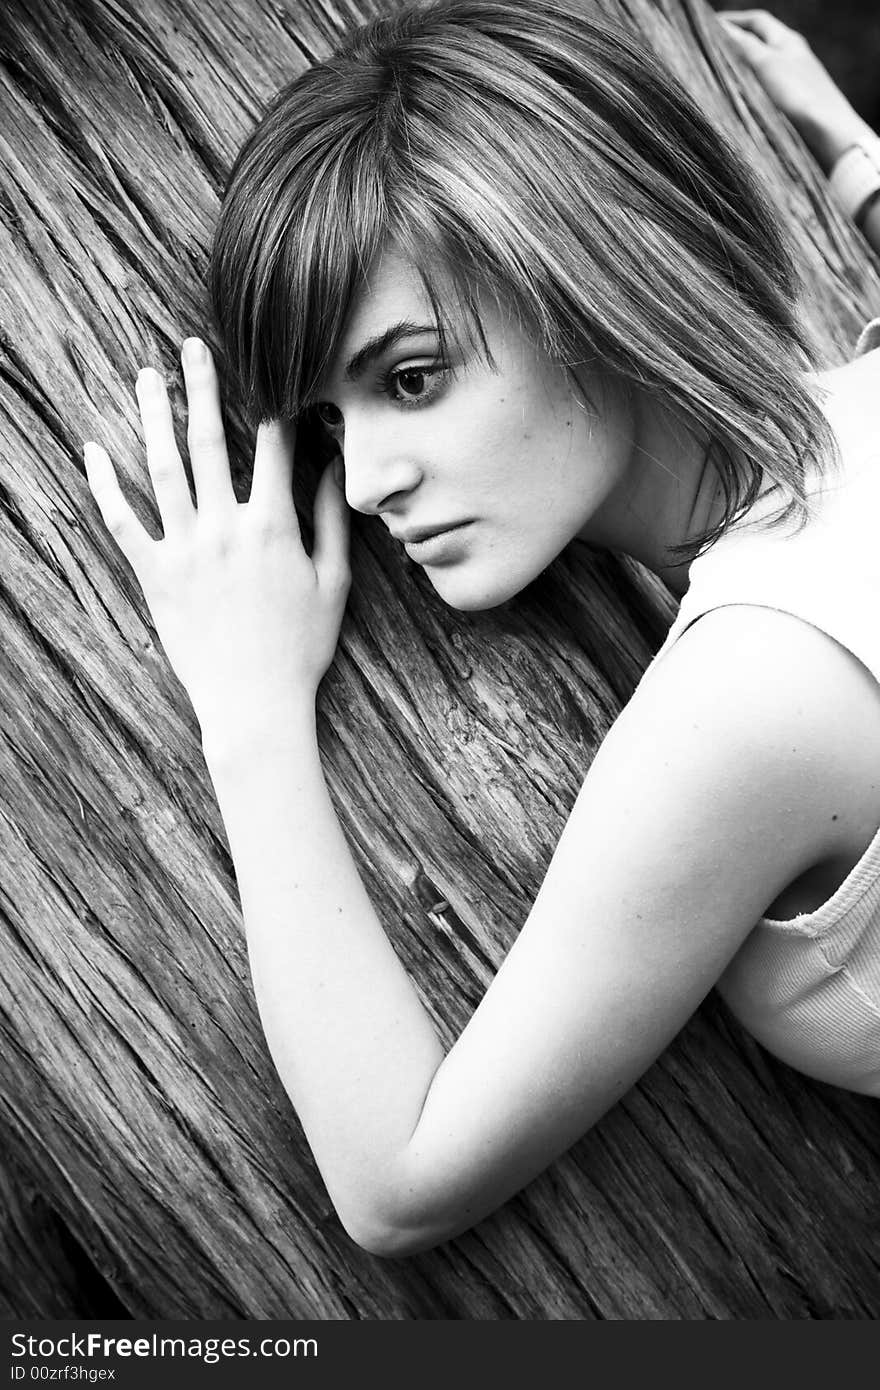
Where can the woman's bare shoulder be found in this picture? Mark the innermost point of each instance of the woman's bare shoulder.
(794, 702)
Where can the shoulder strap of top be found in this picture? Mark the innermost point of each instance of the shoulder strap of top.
(869, 338)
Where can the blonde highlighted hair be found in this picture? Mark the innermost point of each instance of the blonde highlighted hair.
(541, 154)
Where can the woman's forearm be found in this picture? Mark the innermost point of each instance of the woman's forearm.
(829, 132)
(351, 1041)
(829, 135)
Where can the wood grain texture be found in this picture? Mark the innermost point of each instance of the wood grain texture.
(44, 1272)
(136, 1092)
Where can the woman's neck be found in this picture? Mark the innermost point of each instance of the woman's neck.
(670, 494)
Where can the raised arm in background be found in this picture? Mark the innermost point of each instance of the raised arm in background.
(802, 88)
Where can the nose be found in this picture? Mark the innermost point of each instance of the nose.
(379, 470)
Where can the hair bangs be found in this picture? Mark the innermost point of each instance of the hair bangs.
(300, 224)
(452, 288)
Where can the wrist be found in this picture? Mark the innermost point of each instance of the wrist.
(256, 734)
(830, 133)
(854, 181)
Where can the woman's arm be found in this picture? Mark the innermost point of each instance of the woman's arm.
(705, 801)
(802, 88)
(701, 805)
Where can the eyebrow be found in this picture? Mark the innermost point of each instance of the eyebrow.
(374, 347)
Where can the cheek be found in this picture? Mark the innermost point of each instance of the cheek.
(535, 466)
(601, 440)
(563, 461)
(505, 450)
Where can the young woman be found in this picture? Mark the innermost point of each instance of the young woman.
(495, 255)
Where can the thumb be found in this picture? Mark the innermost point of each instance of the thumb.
(330, 548)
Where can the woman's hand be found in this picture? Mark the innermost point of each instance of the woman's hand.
(248, 621)
(796, 81)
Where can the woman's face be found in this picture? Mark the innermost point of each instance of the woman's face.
(507, 463)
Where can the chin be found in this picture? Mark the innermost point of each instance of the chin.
(471, 593)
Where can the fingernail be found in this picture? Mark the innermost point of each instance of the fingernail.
(194, 350)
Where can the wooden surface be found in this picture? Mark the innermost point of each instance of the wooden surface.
(146, 1139)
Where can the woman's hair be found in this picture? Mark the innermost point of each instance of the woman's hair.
(539, 153)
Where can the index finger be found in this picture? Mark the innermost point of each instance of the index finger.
(272, 484)
(758, 22)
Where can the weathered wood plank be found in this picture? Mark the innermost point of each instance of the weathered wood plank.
(44, 1271)
(134, 1081)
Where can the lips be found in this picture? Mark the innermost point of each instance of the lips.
(437, 545)
(425, 533)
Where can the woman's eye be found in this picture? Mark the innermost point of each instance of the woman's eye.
(411, 381)
(330, 415)
(414, 385)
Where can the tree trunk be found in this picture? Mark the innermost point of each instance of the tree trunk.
(137, 1097)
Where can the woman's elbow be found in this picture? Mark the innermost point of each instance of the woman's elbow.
(390, 1238)
(414, 1208)
(387, 1242)
(394, 1229)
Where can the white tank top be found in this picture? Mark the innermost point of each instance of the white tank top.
(809, 989)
